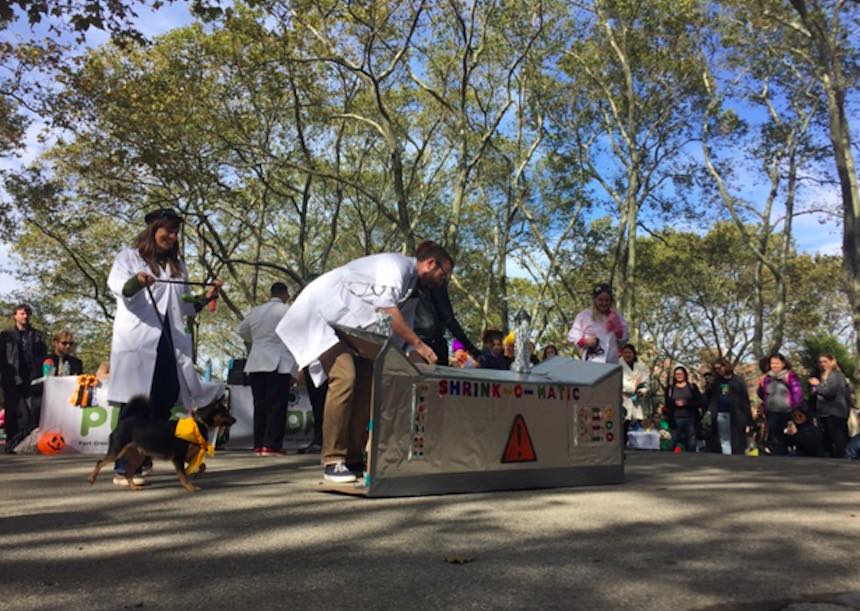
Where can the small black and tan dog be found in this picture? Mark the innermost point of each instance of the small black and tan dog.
(136, 436)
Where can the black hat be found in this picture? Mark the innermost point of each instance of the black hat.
(603, 287)
(162, 214)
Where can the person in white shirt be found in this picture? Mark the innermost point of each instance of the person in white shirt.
(271, 368)
(635, 385)
(353, 295)
(599, 330)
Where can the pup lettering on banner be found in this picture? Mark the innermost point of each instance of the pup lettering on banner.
(519, 447)
(85, 429)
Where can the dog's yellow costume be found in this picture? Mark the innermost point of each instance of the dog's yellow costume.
(187, 430)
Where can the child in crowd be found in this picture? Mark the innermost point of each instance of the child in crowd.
(652, 423)
(758, 431)
(460, 357)
(802, 436)
(493, 355)
(508, 343)
(659, 423)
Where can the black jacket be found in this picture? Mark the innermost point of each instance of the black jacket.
(488, 360)
(695, 407)
(807, 440)
(76, 367)
(434, 314)
(21, 356)
(738, 398)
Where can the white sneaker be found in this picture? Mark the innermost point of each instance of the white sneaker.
(122, 480)
(338, 473)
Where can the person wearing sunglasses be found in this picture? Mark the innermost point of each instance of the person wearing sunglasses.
(65, 364)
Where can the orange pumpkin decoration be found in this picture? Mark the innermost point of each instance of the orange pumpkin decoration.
(50, 442)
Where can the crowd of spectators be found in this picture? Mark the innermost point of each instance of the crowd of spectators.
(725, 415)
(780, 419)
(24, 359)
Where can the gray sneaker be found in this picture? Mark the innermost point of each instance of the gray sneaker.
(337, 473)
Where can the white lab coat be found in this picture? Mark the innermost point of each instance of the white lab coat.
(631, 378)
(137, 329)
(585, 325)
(349, 295)
(268, 353)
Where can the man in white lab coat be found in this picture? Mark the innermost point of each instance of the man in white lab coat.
(352, 295)
(271, 368)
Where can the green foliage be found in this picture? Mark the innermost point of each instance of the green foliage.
(540, 138)
(816, 345)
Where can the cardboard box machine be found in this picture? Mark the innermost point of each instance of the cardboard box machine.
(437, 429)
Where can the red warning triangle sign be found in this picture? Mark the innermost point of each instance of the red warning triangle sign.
(519, 447)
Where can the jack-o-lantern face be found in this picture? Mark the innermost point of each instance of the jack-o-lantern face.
(51, 442)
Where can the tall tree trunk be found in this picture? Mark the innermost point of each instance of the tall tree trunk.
(628, 284)
(779, 313)
(830, 68)
(758, 302)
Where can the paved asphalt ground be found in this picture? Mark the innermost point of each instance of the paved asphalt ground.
(683, 532)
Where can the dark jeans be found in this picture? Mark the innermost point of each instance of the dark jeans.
(317, 397)
(835, 435)
(776, 423)
(852, 450)
(271, 392)
(685, 431)
(17, 409)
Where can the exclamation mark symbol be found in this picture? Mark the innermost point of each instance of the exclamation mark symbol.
(519, 440)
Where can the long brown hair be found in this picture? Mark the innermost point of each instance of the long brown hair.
(829, 357)
(149, 252)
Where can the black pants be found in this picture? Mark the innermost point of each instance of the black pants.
(164, 390)
(776, 423)
(271, 392)
(317, 396)
(835, 435)
(16, 400)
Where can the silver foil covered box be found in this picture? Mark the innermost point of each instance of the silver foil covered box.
(438, 429)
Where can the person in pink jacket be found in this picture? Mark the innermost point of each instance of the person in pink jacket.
(599, 330)
(781, 394)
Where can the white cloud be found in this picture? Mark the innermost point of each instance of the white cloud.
(820, 232)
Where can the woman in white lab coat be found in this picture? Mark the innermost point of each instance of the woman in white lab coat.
(599, 330)
(150, 349)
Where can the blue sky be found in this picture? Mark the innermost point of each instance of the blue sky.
(151, 23)
(813, 233)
